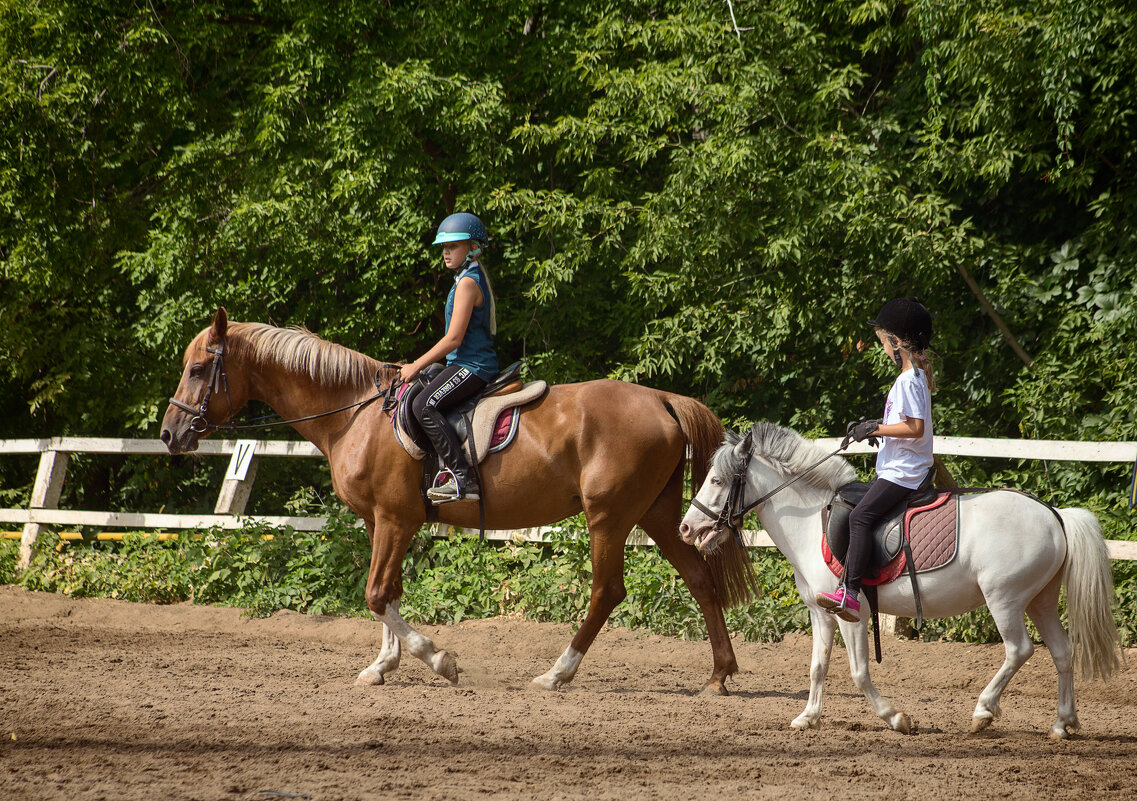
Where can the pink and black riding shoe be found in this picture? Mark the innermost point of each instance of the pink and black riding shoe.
(840, 603)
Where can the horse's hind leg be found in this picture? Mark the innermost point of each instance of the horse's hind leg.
(1043, 610)
(607, 533)
(1010, 620)
(661, 523)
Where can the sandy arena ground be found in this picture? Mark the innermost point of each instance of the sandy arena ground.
(110, 700)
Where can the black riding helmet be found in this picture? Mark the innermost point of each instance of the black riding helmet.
(908, 319)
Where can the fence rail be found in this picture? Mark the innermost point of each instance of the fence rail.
(245, 455)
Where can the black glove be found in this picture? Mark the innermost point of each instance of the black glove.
(859, 431)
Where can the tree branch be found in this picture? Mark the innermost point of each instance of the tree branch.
(994, 315)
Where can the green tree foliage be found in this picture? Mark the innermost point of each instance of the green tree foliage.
(675, 201)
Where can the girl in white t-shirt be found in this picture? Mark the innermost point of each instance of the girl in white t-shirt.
(904, 328)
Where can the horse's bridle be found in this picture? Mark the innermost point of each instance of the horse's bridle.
(732, 512)
(218, 381)
(735, 509)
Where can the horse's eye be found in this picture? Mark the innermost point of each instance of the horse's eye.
(196, 370)
(716, 481)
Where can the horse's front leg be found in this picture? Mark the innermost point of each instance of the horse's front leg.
(417, 644)
(387, 661)
(823, 625)
(856, 636)
(389, 545)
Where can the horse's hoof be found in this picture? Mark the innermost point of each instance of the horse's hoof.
(715, 687)
(446, 666)
(979, 724)
(545, 682)
(802, 723)
(901, 723)
(369, 678)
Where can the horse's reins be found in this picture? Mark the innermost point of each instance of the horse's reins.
(218, 380)
(730, 516)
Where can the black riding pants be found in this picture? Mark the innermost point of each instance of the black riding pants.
(451, 386)
(881, 498)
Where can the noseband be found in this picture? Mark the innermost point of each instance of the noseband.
(217, 381)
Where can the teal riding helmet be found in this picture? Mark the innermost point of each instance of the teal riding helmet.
(460, 227)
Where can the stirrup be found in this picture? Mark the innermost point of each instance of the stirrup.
(448, 489)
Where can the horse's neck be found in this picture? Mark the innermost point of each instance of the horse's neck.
(294, 394)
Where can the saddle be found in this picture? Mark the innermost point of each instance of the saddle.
(485, 423)
(919, 534)
(889, 535)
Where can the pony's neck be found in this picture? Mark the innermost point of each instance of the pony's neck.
(792, 518)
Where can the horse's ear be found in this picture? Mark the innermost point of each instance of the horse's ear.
(220, 325)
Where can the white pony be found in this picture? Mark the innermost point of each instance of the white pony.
(1013, 554)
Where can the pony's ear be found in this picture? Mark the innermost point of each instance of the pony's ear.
(744, 444)
(220, 325)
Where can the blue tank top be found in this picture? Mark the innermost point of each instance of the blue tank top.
(476, 352)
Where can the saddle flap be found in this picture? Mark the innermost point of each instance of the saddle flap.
(887, 538)
(482, 413)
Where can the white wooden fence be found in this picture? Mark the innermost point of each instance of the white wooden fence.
(245, 455)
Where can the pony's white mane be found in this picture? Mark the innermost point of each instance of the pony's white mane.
(789, 452)
(298, 350)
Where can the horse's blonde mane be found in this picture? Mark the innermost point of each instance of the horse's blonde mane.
(298, 350)
(790, 453)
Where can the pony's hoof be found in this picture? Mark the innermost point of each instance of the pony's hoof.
(446, 666)
(978, 724)
(802, 723)
(1063, 731)
(369, 678)
(900, 722)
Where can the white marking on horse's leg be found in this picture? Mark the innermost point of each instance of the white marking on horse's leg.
(856, 637)
(823, 625)
(1019, 648)
(562, 672)
(419, 645)
(1045, 617)
(386, 662)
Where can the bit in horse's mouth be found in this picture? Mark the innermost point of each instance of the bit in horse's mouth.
(701, 539)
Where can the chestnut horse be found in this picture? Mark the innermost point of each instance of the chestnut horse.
(614, 450)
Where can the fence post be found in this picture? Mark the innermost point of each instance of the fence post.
(238, 483)
(45, 495)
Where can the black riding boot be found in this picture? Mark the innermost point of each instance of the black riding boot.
(445, 441)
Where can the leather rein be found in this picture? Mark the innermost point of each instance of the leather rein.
(219, 381)
(735, 508)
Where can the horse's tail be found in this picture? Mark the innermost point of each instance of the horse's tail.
(1089, 595)
(703, 432)
(731, 569)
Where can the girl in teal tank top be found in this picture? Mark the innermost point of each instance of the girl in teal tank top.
(467, 345)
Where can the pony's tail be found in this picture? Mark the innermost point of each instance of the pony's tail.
(732, 571)
(1089, 595)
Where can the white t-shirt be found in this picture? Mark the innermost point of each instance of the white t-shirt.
(906, 460)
